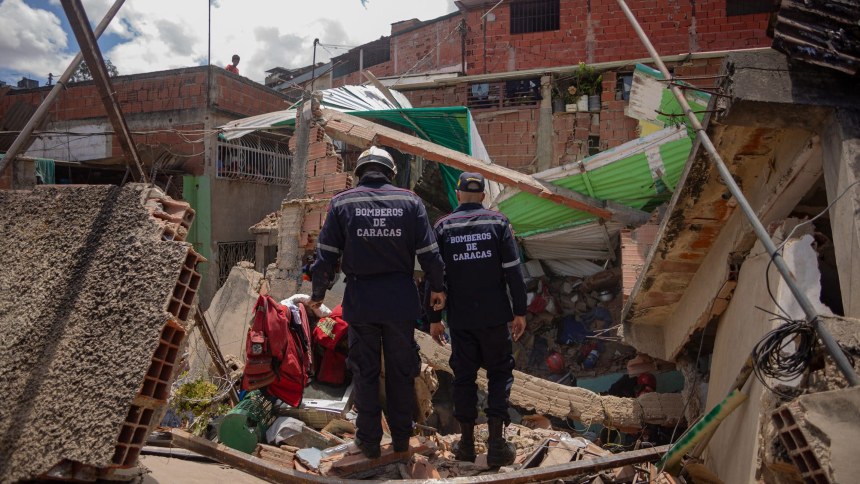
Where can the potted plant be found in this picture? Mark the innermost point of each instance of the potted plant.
(589, 83)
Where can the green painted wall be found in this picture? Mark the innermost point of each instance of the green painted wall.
(197, 191)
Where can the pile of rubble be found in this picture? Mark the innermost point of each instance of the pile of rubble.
(571, 327)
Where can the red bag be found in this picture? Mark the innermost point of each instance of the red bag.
(328, 333)
(271, 342)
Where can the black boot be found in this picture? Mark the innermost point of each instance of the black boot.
(464, 450)
(500, 452)
(371, 451)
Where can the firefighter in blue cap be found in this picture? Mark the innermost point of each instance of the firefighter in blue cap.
(374, 233)
(482, 264)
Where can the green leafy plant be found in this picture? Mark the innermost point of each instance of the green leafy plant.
(588, 81)
(198, 397)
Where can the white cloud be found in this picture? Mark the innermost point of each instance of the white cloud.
(32, 40)
(165, 34)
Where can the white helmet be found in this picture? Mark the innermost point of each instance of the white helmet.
(376, 156)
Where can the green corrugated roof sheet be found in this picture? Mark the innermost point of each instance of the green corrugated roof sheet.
(627, 181)
(446, 126)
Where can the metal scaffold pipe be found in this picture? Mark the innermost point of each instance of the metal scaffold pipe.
(22, 141)
(811, 314)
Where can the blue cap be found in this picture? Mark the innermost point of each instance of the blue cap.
(471, 182)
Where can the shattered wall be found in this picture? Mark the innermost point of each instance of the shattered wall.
(86, 280)
(734, 449)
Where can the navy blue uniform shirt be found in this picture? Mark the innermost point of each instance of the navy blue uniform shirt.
(482, 261)
(378, 230)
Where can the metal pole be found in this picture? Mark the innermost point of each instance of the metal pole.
(810, 312)
(22, 142)
(314, 64)
(93, 55)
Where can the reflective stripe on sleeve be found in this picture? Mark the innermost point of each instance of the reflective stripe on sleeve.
(513, 263)
(430, 247)
(328, 248)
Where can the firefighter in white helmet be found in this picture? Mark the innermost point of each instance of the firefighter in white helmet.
(375, 231)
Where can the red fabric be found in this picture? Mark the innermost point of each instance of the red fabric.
(285, 349)
(232, 68)
(331, 330)
(328, 333)
(295, 366)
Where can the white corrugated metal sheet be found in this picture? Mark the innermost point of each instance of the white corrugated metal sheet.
(344, 98)
(571, 252)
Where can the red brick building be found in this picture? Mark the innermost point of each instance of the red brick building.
(173, 115)
(492, 60)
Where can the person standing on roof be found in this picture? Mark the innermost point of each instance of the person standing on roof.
(375, 231)
(482, 263)
(232, 67)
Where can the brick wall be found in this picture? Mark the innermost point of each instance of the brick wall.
(244, 97)
(510, 135)
(156, 101)
(439, 39)
(596, 31)
(442, 96)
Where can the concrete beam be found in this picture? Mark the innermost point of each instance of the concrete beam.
(544, 129)
(550, 398)
(93, 56)
(841, 156)
(363, 133)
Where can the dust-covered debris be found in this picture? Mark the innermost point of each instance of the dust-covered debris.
(85, 278)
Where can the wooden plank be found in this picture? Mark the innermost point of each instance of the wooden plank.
(573, 468)
(363, 133)
(246, 463)
(357, 463)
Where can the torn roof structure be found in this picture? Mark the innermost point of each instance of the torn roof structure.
(788, 132)
(614, 185)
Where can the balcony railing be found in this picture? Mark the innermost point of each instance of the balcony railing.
(255, 159)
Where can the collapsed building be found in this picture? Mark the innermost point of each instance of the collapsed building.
(645, 236)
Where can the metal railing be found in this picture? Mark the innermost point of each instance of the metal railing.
(255, 159)
(231, 253)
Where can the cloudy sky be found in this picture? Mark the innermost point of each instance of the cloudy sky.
(152, 35)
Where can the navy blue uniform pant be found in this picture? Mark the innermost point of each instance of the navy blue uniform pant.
(489, 348)
(396, 340)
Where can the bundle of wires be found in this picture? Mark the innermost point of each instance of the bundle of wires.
(774, 357)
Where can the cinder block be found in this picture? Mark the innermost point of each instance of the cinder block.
(151, 398)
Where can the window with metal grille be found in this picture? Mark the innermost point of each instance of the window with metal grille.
(534, 16)
(254, 158)
(231, 253)
(747, 7)
(524, 92)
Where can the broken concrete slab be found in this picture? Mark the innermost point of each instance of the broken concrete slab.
(87, 280)
(820, 431)
(229, 316)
